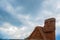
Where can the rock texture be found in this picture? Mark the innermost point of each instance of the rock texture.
(44, 33)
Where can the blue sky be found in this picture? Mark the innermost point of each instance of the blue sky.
(18, 18)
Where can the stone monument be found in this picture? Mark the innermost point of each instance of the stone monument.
(44, 33)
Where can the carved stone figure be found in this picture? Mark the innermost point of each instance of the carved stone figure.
(44, 33)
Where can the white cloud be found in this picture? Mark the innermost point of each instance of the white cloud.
(50, 8)
(17, 32)
(13, 31)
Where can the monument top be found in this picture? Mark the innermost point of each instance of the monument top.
(50, 20)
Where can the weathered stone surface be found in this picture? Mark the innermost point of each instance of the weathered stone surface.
(36, 34)
(44, 33)
(49, 25)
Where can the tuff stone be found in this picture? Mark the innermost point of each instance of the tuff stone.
(44, 33)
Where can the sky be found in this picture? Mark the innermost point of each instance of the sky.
(18, 18)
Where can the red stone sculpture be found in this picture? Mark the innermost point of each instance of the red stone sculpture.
(44, 33)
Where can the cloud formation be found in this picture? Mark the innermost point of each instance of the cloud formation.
(28, 15)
